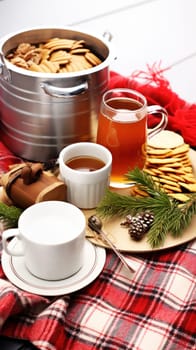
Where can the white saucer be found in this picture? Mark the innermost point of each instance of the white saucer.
(16, 271)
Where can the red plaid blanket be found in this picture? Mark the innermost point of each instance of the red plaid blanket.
(152, 310)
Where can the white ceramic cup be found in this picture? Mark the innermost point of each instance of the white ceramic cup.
(85, 189)
(51, 237)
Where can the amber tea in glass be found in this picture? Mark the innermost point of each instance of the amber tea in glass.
(122, 128)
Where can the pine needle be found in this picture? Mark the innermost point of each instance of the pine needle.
(9, 215)
(145, 181)
(169, 215)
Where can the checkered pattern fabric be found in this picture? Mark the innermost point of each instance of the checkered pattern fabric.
(153, 309)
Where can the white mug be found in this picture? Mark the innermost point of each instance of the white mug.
(51, 237)
(85, 188)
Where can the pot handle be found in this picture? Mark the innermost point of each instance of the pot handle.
(56, 91)
(108, 36)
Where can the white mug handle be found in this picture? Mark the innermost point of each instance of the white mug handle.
(17, 250)
(155, 109)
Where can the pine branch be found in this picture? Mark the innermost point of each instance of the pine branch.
(145, 181)
(183, 216)
(169, 215)
(115, 204)
(9, 215)
(158, 231)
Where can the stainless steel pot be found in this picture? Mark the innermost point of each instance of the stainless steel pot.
(40, 113)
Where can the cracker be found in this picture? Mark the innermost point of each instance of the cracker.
(78, 44)
(58, 43)
(169, 182)
(174, 176)
(138, 192)
(35, 67)
(154, 170)
(81, 62)
(172, 188)
(79, 50)
(184, 148)
(171, 168)
(20, 62)
(150, 171)
(191, 187)
(187, 169)
(166, 176)
(92, 58)
(189, 178)
(163, 160)
(49, 67)
(180, 197)
(159, 152)
(45, 54)
(166, 139)
(60, 56)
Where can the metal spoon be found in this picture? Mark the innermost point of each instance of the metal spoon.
(95, 224)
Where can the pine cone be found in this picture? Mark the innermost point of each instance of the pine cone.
(137, 230)
(128, 221)
(139, 224)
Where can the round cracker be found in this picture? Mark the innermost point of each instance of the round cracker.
(166, 139)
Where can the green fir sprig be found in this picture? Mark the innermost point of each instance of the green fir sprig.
(170, 216)
(9, 215)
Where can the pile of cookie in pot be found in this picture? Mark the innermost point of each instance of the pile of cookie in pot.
(56, 55)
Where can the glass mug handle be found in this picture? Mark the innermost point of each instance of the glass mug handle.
(163, 122)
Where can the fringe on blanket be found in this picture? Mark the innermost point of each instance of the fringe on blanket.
(157, 90)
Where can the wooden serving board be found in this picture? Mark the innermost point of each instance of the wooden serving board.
(121, 238)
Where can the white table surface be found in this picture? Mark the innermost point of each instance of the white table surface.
(144, 32)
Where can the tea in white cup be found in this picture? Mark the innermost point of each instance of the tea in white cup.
(51, 237)
(85, 168)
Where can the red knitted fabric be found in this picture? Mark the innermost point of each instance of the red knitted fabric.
(157, 90)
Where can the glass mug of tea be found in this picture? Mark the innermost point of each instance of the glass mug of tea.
(122, 128)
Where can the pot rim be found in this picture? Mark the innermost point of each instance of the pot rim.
(10, 66)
